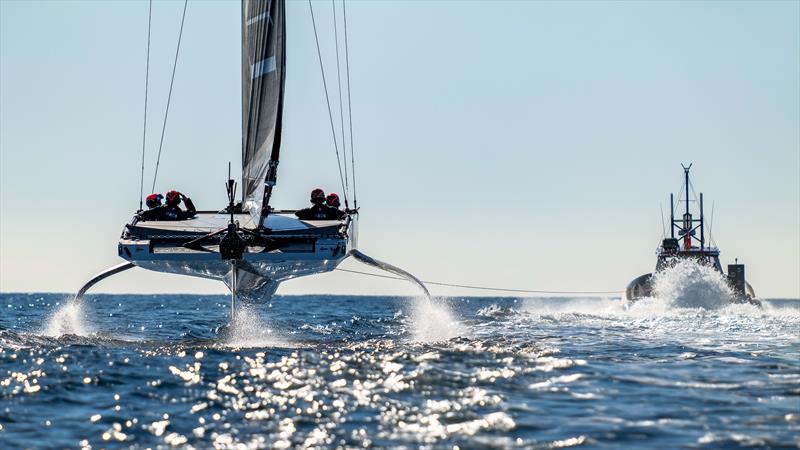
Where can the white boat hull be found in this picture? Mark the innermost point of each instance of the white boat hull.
(259, 271)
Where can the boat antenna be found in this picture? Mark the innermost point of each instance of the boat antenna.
(702, 224)
(328, 102)
(146, 86)
(169, 96)
(687, 225)
(711, 226)
(686, 184)
(672, 215)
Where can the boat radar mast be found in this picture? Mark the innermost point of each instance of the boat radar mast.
(687, 226)
(687, 233)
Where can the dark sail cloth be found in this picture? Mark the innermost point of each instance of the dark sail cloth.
(319, 212)
(172, 212)
(263, 84)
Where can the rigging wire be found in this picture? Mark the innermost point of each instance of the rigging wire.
(146, 89)
(693, 192)
(349, 105)
(680, 198)
(328, 102)
(169, 96)
(339, 82)
(482, 288)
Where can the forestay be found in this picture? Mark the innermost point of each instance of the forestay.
(263, 80)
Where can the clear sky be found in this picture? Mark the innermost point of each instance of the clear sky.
(515, 144)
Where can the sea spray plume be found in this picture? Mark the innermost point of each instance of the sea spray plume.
(68, 318)
(247, 329)
(689, 284)
(433, 321)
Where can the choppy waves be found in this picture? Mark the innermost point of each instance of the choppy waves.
(327, 372)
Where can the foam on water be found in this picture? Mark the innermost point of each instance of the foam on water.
(689, 284)
(651, 307)
(559, 306)
(69, 318)
(433, 321)
(248, 329)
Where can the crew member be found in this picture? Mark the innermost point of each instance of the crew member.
(154, 200)
(333, 203)
(173, 211)
(318, 211)
(155, 207)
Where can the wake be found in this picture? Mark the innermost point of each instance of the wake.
(689, 284)
(688, 288)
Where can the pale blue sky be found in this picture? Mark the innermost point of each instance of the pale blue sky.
(517, 144)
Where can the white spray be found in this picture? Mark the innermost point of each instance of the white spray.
(248, 329)
(69, 318)
(689, 284)
(433, 321)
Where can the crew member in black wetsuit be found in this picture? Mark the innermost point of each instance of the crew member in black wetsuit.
(318, 210)
(155, 207)
(173, 211)
(333, 203)
(169, 211)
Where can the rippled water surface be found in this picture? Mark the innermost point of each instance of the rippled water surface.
(322, 371)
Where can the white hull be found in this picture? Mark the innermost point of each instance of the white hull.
(308, 247)
(257, 281)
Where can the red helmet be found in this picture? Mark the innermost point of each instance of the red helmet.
(154, 200)
(333, 200)
(317, 196)
(173, 198)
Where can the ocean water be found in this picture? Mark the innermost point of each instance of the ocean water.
(119, 371)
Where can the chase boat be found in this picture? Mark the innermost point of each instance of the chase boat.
(687, 240)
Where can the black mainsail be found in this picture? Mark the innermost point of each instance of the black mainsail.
(263, 81)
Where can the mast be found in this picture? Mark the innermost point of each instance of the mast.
(686, 185)
(687, 216)
(263, 85)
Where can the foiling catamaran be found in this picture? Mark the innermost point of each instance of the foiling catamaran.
(248, 245)
(689, 246)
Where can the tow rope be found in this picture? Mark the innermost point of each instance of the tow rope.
(482, 288)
